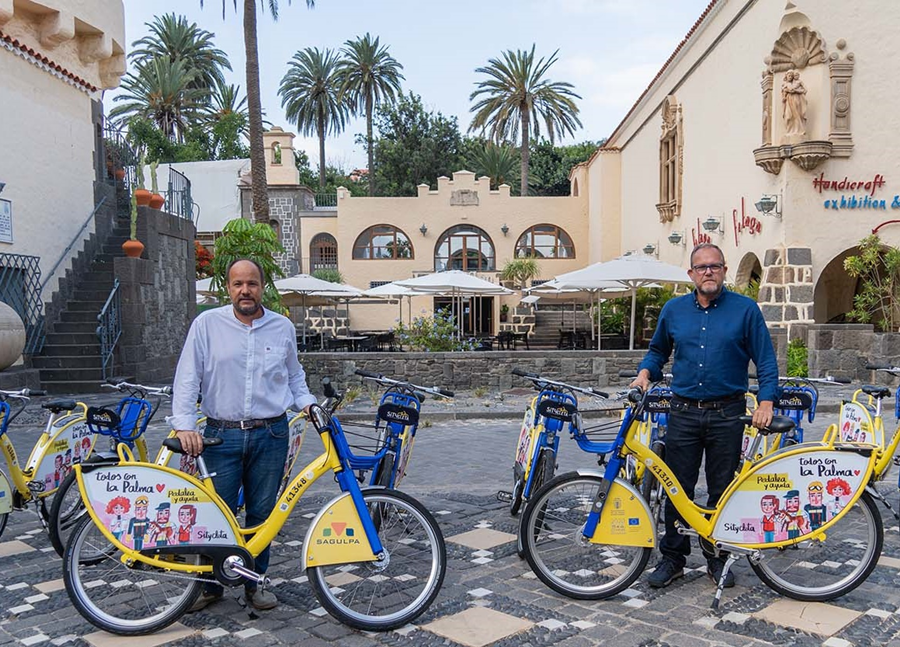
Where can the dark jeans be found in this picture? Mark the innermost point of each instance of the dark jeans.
(255, 460)
(693, 431)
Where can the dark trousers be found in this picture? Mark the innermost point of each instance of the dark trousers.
(692, 432)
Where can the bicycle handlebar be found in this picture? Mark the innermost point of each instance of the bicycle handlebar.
(23, 394)
(534, 377)
(149, 390)
(887, 368)
(433, 390)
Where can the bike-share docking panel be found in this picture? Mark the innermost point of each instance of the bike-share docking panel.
(800, 492)
(336, 535)
(70, 443)
(145, 507)
(625, 520)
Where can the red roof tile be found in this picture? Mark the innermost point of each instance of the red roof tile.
(46, 61)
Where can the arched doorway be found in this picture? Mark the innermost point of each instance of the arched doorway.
(749, 272)
(323, 253)
(835, 290)
(464, 247)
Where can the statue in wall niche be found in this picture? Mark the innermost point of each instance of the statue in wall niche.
(793, 100)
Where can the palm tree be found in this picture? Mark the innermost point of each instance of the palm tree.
(369, 75)
(160, 90)
(226, 100)
(517, 96)
(258, 187)
(498, 163)
(310, 95)
(174, 38)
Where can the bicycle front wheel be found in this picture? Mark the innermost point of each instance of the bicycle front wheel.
(381, 596)
(824, 570)
(128, 600)
(560, 556)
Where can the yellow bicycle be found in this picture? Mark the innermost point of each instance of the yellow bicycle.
(589, 534)
(131, 573)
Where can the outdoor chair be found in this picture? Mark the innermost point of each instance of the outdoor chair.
(367, 345)
(504, 340)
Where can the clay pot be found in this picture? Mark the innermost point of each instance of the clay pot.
(143, 197)
(156, 201)
(120, 174)
(133, 248)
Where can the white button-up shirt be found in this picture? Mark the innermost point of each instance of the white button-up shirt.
(243, 372)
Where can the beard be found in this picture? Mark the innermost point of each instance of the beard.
(710, 290)
(247, 310)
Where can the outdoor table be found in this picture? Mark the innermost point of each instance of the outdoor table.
(352, 341)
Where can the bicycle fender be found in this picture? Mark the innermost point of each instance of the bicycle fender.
(625, 520)
(336, 536)
(6, 494)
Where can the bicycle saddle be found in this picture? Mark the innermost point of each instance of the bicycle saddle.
(174, 444)
(58, 406)
(779, 425)
(876, 391)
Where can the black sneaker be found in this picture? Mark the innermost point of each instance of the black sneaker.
(665, 572)
(714, 567)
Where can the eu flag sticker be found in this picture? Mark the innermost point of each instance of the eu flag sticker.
(634, 521)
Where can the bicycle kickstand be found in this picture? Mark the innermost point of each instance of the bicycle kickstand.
(720, 585)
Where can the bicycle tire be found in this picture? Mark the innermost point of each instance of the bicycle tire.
(3, 519)
(113, 596)
(543, 473)
(554, 548)
(406, 588)
(843, 556)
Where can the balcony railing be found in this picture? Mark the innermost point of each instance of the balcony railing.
(326, 201)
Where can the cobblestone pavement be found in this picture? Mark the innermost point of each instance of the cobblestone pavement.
(456, 470)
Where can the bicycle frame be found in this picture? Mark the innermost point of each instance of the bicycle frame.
(343, 517)
(731, 523)
(539, 433)
(398, 437)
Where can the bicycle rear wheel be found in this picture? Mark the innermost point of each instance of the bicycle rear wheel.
(560, 556)
(823, 570)
(381, 596)
(121, 599)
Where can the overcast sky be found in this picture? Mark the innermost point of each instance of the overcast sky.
(608, 49)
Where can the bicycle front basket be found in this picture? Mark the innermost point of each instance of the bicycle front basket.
(393, 412)
(101, 420)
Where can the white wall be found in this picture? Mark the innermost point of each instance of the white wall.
(46, 161)
(214, 187)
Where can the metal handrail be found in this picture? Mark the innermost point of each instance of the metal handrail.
(109, 327)
(71, 244)
(326, 201)
(178, 195)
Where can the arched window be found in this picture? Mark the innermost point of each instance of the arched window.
(323, 253)
(382, 241)
(466, 248)
(276, 153)
(545, 241)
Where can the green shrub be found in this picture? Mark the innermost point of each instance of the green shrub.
(797, 358)
(332, 276)
(432, 334)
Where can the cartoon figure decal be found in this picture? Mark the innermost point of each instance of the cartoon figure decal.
(776, 489)
(855, 425)
(815, 510)
(156, 496)
(70, 443)
(839, 489)
(525, 438)
(118, 507)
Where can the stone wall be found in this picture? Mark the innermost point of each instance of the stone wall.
(462, 371)
(843, 350)
(157, 296)
(786, 291)
(285, 205)
(519, 320)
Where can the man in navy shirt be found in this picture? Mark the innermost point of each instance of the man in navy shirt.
(714, 333)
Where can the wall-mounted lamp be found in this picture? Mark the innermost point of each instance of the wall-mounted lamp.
(713, 224)
(423, 229)
(649, 249)
(504, 229)
(768, 206)
(676, 238)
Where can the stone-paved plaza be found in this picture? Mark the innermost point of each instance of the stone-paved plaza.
(489, 596)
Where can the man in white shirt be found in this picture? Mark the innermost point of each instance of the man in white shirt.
(243, 360)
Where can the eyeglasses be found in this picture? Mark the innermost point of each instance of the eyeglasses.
(712, 267)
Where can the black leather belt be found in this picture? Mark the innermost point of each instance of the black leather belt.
(713, 403)
(243, 425)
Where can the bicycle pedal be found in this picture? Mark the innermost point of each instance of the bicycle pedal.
(504, 496)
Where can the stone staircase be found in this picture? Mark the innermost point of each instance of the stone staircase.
(547, 323)
(70, 359)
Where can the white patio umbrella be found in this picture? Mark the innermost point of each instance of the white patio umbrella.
(308, 288)
(632, 272)
(457, 284)
(394, 291)
(204, 287)
(555, 292)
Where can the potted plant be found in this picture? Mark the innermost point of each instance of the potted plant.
(133, 247)
(504, 312)
(156, 200)
(141, 193)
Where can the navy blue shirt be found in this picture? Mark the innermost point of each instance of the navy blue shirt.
(713, 347)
